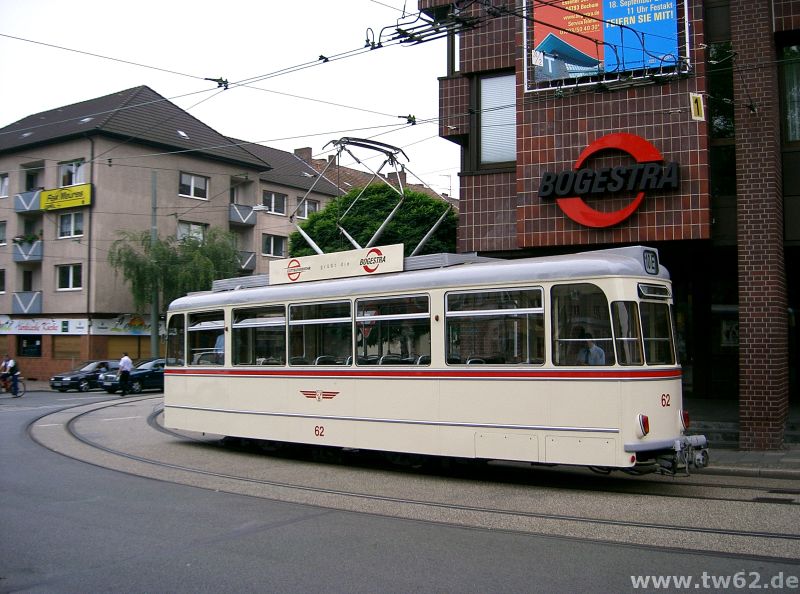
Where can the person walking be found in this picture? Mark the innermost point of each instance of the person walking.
(125, 366)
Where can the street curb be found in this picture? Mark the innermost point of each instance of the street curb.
(774, 473)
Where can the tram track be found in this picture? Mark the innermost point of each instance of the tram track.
(479, 509)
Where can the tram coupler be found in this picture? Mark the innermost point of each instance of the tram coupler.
(688, 451)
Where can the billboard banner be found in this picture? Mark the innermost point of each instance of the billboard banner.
(571, 39)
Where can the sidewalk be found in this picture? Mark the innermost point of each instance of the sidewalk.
(708, 416)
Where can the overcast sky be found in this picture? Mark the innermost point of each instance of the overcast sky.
(238, 40)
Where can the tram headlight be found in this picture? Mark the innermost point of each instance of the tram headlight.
(684, 416)
(644, 425)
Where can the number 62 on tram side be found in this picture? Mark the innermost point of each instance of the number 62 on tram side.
(554, 360)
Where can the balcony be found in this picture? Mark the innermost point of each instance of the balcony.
(28, 251)
(241, 214)
(27, 303)
(247, 261)
(28, 202)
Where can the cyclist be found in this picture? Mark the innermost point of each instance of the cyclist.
(11, 372)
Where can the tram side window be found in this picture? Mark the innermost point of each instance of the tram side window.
(393, 331)
(259, 336)
(176, 335)
(657, 331)
(320, 334)
(498, 327)
(625, 315)
(207, 338)
(581, 325)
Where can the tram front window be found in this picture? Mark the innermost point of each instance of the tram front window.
(175, 340)
(657, 330)
(626, 332)
(581, 326)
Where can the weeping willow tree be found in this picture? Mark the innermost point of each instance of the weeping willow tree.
(170, 268)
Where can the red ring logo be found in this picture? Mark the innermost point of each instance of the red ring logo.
(642, 152)
(373, 259)
(290, 270)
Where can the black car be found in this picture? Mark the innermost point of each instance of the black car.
(147, 375)
(84, 377)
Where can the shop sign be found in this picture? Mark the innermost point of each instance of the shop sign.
(126, 325)
(648, 174)
(69, 197)
(42, 326)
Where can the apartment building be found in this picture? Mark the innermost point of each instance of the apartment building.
(72, 178)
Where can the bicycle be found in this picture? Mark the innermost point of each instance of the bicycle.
(5, 386)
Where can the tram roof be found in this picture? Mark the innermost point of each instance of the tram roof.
(626, 261)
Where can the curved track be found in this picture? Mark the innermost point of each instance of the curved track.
(732, 515)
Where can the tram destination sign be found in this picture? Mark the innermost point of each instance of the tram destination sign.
(363, 262)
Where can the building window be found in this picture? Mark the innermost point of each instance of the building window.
(275, 202)
(71, 173)
(69, 277)
(193, 230)
(273, 245)
(2, 281)
(3, 185)
(790, 73)
(2, 232)
(70, 224)
(306, 207)
(33, 175)
(193, 186)
(27, 281)
(29, 345)
(498, 131)
(66, 347)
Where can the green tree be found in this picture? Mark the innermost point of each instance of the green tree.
(416, 216)
(172, 267)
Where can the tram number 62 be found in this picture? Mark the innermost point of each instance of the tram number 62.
(665, 398)
(319, 431)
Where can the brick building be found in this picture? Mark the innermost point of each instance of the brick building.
(670, 123)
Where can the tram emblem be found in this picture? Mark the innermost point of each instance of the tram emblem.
(320, 395)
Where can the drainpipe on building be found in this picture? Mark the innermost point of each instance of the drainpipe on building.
(89, 252)
(153, 239)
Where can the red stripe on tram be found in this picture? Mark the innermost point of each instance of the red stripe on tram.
(434, 374)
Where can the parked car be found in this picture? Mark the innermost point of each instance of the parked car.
(84, 377)
(147, 375)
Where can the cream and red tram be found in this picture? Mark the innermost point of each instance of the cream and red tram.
(553, 360)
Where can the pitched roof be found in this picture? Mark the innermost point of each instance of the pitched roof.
(288, 169)
(138, 113)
